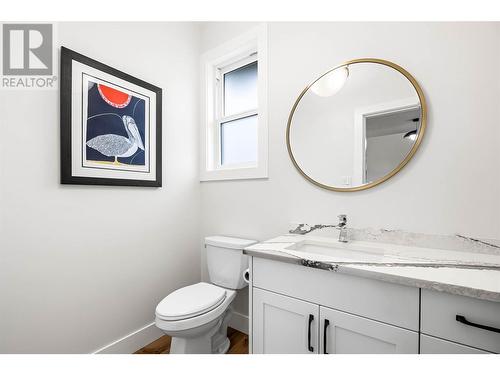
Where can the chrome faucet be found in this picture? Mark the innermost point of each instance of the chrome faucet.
(342, 226)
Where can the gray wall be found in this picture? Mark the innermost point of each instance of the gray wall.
(384, 153)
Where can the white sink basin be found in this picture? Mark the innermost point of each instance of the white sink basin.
(341, 251)
(365, 253)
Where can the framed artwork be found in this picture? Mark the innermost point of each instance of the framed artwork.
(110, 125)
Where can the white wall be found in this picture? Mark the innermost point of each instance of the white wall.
(451, 186)
(73, 280)
(81, 266)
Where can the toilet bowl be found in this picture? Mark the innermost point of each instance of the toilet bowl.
(197, 316)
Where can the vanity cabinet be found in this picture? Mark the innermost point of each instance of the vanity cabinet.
(297, 309)
(286, 325)
(390, 303)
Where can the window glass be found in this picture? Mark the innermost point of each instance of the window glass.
(239, 141)
(240, 90)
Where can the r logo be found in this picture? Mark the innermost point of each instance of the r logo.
(27, 49)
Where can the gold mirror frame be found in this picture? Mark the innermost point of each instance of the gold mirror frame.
(423, 125)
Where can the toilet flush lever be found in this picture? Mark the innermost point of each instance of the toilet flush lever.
(246, 275)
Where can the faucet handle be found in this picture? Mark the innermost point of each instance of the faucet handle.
(342, 219)
(300, 229)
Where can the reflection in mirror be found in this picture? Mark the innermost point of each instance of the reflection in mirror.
(356, 125)
(389, 138)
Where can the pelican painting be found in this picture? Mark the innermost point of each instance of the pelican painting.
(118, 146)
(110, 125)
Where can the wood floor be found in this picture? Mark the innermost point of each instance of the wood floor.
(239, 344)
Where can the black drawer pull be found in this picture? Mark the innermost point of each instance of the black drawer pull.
(327, 323)
(309, 347)
(461, 319)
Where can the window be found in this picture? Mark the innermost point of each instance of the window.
(234, 125)
(237, 116)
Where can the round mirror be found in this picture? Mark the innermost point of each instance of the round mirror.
(357, 125)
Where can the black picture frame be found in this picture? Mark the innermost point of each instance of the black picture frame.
(66, 93)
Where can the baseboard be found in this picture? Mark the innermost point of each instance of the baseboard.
(133, 341)
(239, 321)
(149, 333)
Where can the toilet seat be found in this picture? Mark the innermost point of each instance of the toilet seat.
(170, 323)
(190, 301)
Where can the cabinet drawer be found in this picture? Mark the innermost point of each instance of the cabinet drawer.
(439, 318)
(386, 302)
(433, 345)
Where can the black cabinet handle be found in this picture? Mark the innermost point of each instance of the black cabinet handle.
(461, 319)
(309, 347)
(327, 323)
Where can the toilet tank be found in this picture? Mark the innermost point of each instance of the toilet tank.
(226, 261)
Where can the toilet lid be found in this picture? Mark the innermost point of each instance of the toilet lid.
(190, 301)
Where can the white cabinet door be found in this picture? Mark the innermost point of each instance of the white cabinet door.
(283, 324)
(343, 333)
(433, 345)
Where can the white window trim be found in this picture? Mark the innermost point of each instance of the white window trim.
(254, 41)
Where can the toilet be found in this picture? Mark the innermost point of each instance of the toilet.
(196, 316)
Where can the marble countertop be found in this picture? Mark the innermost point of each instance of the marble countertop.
(468, 273)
